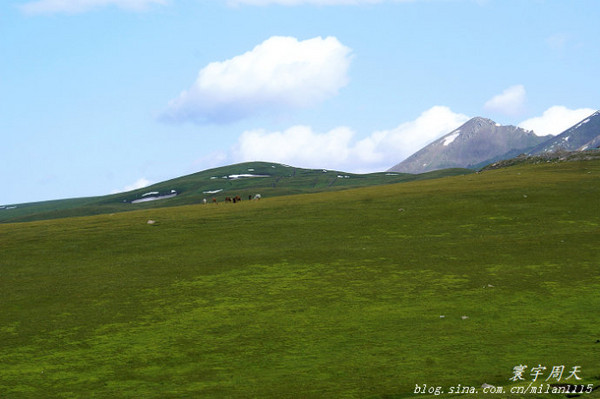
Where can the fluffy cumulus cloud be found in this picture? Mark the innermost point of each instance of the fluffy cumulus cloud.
(337, 149)
(556, 120)
(280, 74)
(509, 102)
(79, 6)
(298, 145)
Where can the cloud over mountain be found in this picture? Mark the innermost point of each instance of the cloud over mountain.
(555, 120)
(280, 74)
(297, 145)
(337, 148)
(509, 102)
(79, 6)
(400, 142)
(139, 183)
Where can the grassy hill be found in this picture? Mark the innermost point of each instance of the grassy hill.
(328, 295)
(228, 181)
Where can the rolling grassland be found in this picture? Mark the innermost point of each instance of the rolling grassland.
(244, 179)
(362, 293)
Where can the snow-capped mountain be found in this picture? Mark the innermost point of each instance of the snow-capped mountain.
(476, 143)
(582, 136)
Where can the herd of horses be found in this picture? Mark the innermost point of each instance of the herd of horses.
(234, 200)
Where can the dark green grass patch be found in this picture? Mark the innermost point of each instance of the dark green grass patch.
(335, 295)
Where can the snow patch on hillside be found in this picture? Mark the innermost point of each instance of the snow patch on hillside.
(584, 122)
(245, 175)
(449, 139)
(160, 197)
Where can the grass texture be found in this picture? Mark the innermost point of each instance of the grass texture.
(329, 295)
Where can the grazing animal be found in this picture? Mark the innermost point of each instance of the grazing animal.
(257, 197)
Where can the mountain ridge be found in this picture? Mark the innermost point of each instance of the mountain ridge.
(477, 142)
(581, 136)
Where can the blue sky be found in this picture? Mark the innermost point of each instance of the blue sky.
(101, 96)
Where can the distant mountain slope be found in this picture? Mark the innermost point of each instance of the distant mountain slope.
(590, 145)
(582, 136)
(476, 143)
(547, 157)
(244, 180)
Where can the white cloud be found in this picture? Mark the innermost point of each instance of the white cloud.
(282, 73)
(139, 183)
(301, 146)
(556, 120)
(509, 102)
(298, 145)
(79, 6)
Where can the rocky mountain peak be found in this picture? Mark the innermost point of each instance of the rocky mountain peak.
(475, 143)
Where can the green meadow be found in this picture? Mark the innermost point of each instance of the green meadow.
(360, 293)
